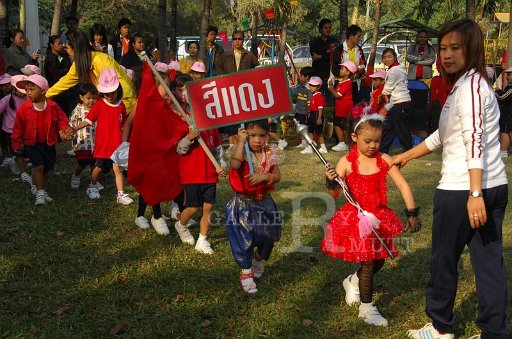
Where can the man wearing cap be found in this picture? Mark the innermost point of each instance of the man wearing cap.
(350, 50)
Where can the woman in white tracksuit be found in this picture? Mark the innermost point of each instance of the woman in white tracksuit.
(470, 200)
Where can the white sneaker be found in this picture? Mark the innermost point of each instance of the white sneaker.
(26, 178)
(184, 233)
(123, 198)
(70, 153)
(203, 246)
(33, 189)
(307, 150)
(340, 147)
(302, 144)
(47, 197)
(75, 181)
(428, 331)
(323, 150)
(160, 226)
(281, 144)
(40, 198)
(92, 192)
(142, 222)
(6, 162)
(99, 186)
(504, 154)
(370, 314)
(351, 290)
(174, 211)
(14, 167)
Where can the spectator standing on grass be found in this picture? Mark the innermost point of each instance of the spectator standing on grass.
(15, 56)
(420, 56)
(301, 108)
(56, 65)
(213, 52)
(121, 42)
(505, 102)
(472, 195)
(131, 59)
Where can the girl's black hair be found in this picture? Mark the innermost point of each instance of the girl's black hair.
(82, 49)
(263, 124)
(12, 35)
(387, 50)
(85, 88)
(12, 103)
(180, 81)
(51, 41)
(119, 92)
(192, 42)
(99, 29)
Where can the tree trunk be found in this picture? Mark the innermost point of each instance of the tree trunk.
(509, 49)
(205, 21)
(162, 30)
(375, 37)
(282, 46)
(254, 33)
(355, 13)
(4, 20)
(173, 23)
(470, 9)
(74, 8)
(57, 11)
(23, 16)
(343, 17)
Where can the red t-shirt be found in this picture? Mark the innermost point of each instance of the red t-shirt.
(375, 99)
(42, 122)
(316, 102)
(419, 68)
(240, 183)
(195, 166)
(343, 106)
(110, 120)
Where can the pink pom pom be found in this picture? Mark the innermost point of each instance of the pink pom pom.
(367, 222)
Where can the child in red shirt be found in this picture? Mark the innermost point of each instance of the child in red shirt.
(315, 118)
(109, 113)
(36, 130)
(198, 176)
(378, 86)
(343, 105)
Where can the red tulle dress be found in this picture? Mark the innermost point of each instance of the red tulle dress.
(342, 238)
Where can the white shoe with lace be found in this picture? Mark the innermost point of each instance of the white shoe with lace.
(47, 198)
(40, 198)
(307, 150)
(75, 181)
(203, 246)
(323, 150)
(14, 167)
(99, 186)
(185, 235)
(160, 226)
(24, 176)
(281, 144)
(370, 314)
(428, 331)
(340, 147)
(174, 211)
(248, 284)
(351, 289)
(92, 192)
(123, 198)
(6, 162)
(142, 222)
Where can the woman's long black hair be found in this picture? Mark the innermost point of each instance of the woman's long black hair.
(82, 48)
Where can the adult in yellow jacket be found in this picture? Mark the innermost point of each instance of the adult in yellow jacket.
(87, 66)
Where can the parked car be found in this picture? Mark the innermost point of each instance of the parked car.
(301, 56)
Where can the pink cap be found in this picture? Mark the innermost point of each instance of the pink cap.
(161, 67)
(31, 69)
(5, 79)
(36, 79)
(315, 81)
(378, 74)
(14, 81)
(490, 71)
(350, 66)
(198, 67)
(175, 66)
(508, 70)
(108, 81)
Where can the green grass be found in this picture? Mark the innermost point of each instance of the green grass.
(78, 268)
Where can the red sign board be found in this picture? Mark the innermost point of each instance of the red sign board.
(239, 97)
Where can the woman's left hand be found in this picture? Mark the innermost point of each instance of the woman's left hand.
(476, 212)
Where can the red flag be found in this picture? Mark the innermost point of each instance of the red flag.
(223, 36)
(153, 161)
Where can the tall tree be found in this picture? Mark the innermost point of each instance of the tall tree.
(57, 12)
(375, 36)
(4, 19)
(162, 30)
(205, 21)
(343, 17)
(470, 9)
(74, 8)
(23, 15)
(174, 25)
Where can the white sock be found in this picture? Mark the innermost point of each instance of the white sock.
(201, 237)
(246, 271)
(120, 192)
(366, 305)
(179, 224)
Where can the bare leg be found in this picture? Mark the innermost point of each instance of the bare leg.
(38, 177)
(204, 224)
(188, 213)
(95, 174)
(119, 177)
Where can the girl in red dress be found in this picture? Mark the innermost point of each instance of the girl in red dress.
(364, 170)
